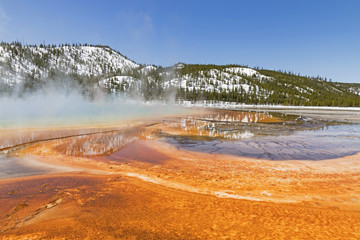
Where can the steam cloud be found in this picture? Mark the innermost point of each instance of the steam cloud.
(66, 105)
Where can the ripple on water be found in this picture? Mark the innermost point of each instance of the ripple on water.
(298, 141)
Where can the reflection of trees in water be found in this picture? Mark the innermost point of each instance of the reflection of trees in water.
(97, 144)
(236, 116)
(234, 125)
(230, 125)
(10, 138)
(279, 141)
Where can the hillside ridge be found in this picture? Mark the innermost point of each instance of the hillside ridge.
(26, 69)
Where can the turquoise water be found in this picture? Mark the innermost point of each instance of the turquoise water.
(75, 111)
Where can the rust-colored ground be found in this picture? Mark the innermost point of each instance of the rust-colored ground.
(117, 207)
(161, 192)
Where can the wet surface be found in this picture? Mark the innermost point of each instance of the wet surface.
(12, 137)
(272, 136)
(258, 135)
(311, 145)
(286, 137)
(131, 184)
(136, 151)
(97, 144)
(12, 167)
(86, 144)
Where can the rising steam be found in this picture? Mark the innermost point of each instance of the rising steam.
(56, 107)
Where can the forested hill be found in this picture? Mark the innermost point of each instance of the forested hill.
(258, 86)
(28, 69)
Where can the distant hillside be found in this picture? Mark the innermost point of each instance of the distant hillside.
(351, 87)
(30, 68)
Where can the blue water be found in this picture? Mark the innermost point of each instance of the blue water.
(324, 143)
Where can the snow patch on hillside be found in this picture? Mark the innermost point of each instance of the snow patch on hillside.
(147, 69)
(16, 63)
(121, 84)
(233, 105)
(247, 72)
(355, 90)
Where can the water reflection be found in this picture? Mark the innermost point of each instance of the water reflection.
(97, 144)
(220, 124)
(250, 134)
(253, 135)
(239, 116)
(13, 167)
(234, 125)
(13, 137)
(306, 145)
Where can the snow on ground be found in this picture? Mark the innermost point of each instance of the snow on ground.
(212, 80)
(247, 72)
(84, 60)
(231, 105)
(121, 83)
(147, 69)
(355, 90)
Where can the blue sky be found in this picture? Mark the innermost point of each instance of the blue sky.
(318, 37)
